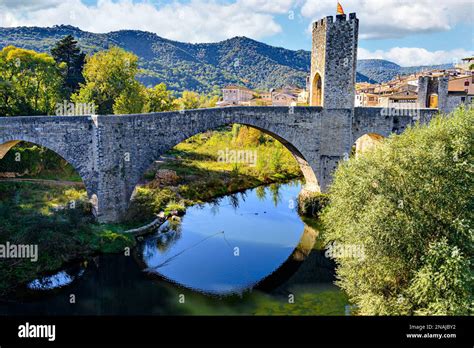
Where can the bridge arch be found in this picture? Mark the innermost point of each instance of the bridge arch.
(366, 142)
(8, 142)
(189, 124)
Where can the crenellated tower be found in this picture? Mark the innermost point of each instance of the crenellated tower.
(334, 62)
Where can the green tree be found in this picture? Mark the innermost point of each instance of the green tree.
(109, 79)
(30, 82)
(208, 101)
(188, 100)
(66, 51)
(131, 100)
(159, 98)
(402, 215)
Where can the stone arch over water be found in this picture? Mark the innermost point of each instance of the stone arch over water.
(367, 142)
(9, 142)
(311, 181)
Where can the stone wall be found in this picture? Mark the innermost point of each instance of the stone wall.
(456, 100)
(385, 121)
(318, 59)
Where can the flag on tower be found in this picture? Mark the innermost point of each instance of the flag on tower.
(340, 10)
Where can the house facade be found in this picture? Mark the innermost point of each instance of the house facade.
(236, 94)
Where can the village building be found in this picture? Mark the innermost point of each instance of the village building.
(280, 98)
(235, 95)
(303, 97)
(466, 63)
(460, 91)
(402, 92)
(265, 98)
(402, 99)
(366, 99)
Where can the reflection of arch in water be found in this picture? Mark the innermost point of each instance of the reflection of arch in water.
(367, 142)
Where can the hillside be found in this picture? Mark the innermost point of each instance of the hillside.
(383, 70)
(200, 67)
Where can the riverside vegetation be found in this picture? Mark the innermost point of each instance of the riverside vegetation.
(409, 203)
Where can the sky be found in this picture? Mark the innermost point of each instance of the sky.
(407, 32)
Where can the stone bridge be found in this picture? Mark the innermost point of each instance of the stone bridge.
(112, 152)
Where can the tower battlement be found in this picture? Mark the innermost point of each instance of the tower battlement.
(339, 18)
(333, 61)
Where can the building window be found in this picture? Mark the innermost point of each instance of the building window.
(463, 99)
(466, 83)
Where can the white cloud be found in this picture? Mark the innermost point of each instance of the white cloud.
(412, 56)
(268, 6)
(194, 21)
(27, 4)
(396, 18)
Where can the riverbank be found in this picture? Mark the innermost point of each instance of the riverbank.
(58, 220)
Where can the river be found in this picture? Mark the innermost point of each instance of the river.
(245, 253)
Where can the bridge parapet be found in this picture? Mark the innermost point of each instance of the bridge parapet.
(385, 121)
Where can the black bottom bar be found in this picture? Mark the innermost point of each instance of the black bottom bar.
(413, 331)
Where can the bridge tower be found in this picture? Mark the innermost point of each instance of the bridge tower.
(333, 62)
(433, 92)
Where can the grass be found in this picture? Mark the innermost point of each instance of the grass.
(307, 301)
(58, 175)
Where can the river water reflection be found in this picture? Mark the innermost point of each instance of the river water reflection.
(231, 244)
(242, 254)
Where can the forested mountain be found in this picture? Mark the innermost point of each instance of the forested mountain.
(383, 70)
(200, 67)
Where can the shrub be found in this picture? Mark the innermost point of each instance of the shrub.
(312, 203)
(409, 204)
